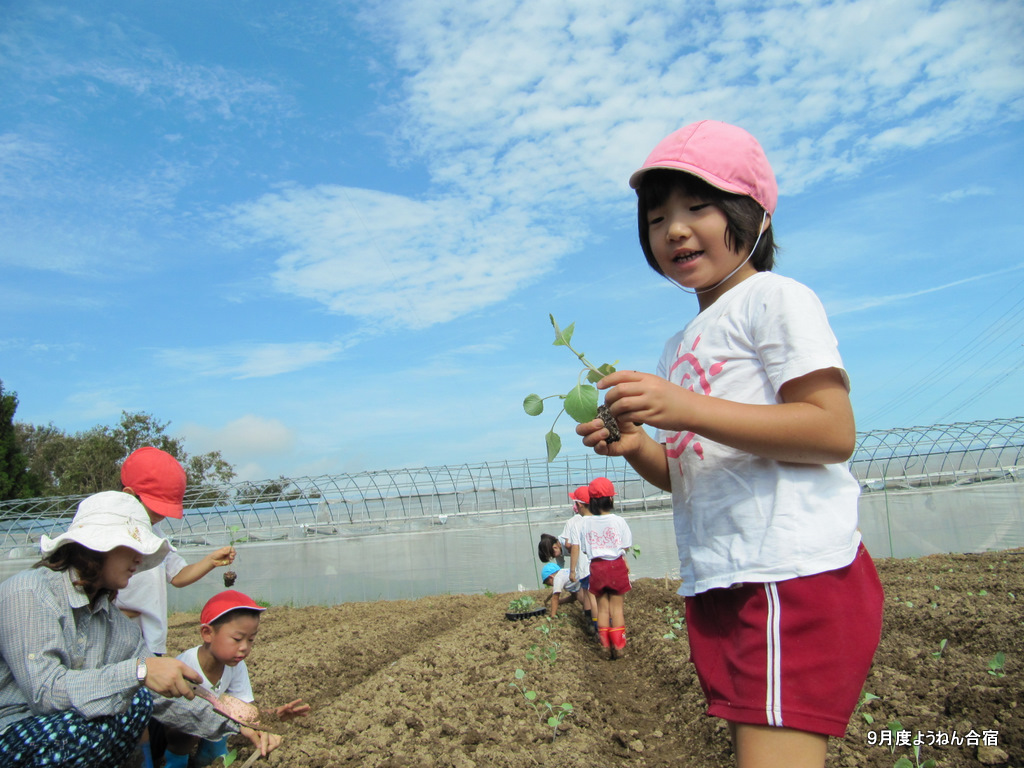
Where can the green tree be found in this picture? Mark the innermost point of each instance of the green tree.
(15, 480)
(90, 461)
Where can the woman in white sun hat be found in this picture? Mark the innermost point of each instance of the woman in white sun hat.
(75, 674)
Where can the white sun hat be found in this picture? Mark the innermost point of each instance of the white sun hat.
(111, 519)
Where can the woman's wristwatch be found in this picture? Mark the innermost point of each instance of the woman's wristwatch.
(141, 671)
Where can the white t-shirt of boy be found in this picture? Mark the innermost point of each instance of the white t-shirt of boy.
(234, 681)
(605, 537)
(561, 582)
(739, 517)
(572, 534)
(147, 593)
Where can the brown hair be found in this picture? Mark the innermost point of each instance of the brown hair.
(87, 564)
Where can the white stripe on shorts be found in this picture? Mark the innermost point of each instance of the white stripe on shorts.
(773, 670)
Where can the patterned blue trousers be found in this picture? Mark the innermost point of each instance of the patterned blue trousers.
(68, 740)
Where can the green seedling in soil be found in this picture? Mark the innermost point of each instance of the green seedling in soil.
(995, 667)
(865, 699)
(942, 646)
(556, 714)
(674, 619)
(550, 653)
(581, 401)
(522, 604)
(904, 762)
(895, 727)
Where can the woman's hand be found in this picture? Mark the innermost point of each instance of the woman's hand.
(297, 708)
(170, 677)
(263, 741)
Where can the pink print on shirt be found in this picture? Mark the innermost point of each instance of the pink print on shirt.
(696, 376)
(608, 538)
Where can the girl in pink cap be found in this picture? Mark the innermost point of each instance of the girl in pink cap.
(754, 428)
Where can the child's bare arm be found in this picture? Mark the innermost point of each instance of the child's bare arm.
(813, 425)
(190, 574)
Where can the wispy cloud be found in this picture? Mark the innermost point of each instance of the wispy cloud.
(245, 361)
(957, 195)
(388, 259)
(846, 306)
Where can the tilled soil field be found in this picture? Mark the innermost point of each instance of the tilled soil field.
(433, 682)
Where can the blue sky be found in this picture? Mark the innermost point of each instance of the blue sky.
(326, 236)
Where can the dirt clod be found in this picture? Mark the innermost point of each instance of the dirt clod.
(610, 424)
(229, 578)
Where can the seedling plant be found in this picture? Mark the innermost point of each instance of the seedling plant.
(675, 621)
(555, 714)
(996, 666)
(942, 647)
(904, 762)
(580, 402)
(550, 652)
(865, 699)
(522, 604)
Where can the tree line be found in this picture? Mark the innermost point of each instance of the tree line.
(38, 461)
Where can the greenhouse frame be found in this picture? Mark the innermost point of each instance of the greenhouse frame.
(397, 527)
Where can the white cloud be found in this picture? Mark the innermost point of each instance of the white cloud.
(246, 361)
(248, 442)
(394, 260)
(956, 195)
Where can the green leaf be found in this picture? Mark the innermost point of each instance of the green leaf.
(581, 403)
(530, 695)
(554, 444)
(533, 405)
(553, 721)
(230, 757)
(903, 762)
(567, 707)
(562, 338)
(520, 674)
(868, 717)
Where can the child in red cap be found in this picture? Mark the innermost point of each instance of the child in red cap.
(605, 538)
(755, 428)
(228, 626)
(156, 479)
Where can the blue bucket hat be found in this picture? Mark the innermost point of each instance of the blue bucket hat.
(548, 570)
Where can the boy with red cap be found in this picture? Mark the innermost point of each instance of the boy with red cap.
(579, 568)
(228, 626)
(156, 479)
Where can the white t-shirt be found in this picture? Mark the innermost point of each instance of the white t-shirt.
(739, 517)
(234, 681)
(147, 593)
(561, 582)
(605, 537)
(572, 534)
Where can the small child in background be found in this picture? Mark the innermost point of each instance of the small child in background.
(570, 539)
(562, 590)
(606, 538)
(228, 626)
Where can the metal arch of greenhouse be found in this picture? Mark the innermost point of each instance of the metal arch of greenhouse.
(373, 501)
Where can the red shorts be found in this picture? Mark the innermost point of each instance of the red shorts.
(609, 576)
(791, 653)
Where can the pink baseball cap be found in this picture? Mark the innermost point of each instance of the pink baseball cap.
(225, 602)
(581, 494)
(601, 487)
(723, 155)
(157, 479)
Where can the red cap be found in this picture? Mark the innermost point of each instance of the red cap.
(601, 487)
(157, 479)
(224, 602)
(581, 494)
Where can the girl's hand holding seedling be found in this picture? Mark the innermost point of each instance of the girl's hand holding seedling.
(292, 709)
(643, 398)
